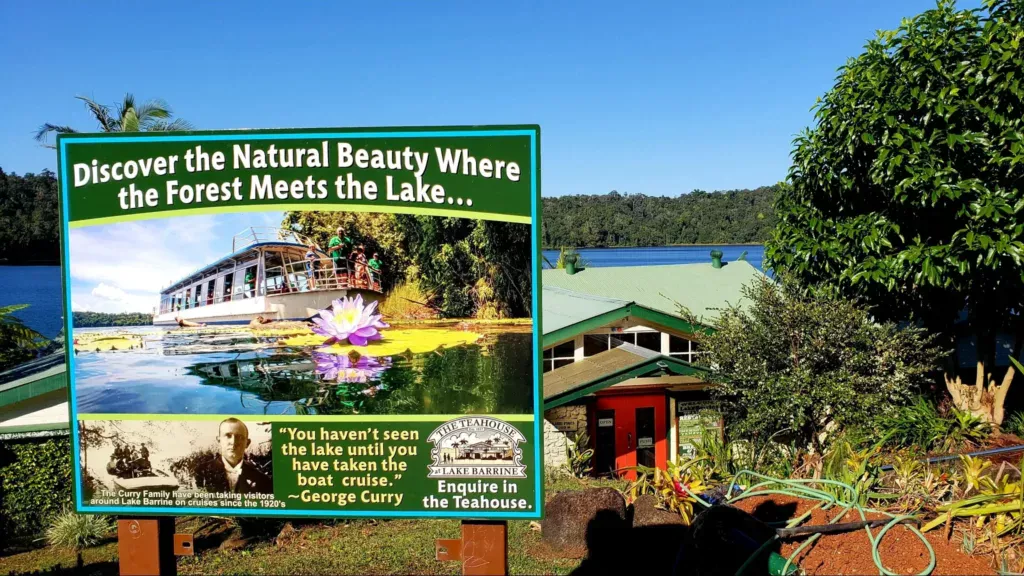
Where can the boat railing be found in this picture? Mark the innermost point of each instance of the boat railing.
(257, 234)
(317, 274)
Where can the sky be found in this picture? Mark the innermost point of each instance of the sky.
(151, 254)
(660, 99)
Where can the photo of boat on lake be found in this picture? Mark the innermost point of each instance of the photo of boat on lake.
(296, 320)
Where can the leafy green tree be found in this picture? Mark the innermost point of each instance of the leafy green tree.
(29, 221)
(907, 195)
(18, 342)
(103, 319)
(793, 364)
(125, 116)
(615, 219)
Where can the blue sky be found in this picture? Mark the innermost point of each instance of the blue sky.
(657, 99)
(151, 254)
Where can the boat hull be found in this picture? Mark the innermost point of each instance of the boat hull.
(290, 306)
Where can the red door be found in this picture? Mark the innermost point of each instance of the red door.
(631, 431)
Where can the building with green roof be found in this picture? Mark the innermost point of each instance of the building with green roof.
(620, 360)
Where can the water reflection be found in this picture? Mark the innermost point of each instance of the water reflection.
(233, 373)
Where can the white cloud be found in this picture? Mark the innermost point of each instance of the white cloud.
(143, 256)
(122, 267)
(109, 292)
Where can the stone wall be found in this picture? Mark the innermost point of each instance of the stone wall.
(560, 426)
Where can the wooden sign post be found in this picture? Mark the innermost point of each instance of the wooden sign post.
(483, 548)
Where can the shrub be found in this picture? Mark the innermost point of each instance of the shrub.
(920, 425)
(578, 455)
(794, 365)
(35, 485)
(78, 531)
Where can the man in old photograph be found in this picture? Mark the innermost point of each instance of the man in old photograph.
(228, 470)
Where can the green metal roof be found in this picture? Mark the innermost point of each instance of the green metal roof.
(564, 307)
(31, 379)
(573, 381)
(699, 287)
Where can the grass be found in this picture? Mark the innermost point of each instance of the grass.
(353, 547)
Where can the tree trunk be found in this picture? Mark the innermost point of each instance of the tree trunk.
(985, 398)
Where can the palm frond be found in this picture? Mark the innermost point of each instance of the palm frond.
(129, 121)
(45, 130)
(11, 309)
(101, 113)
(177, 125)
(155, 109)
(128, 103)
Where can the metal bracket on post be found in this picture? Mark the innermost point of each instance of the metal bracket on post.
(145, 546)
(483, 548)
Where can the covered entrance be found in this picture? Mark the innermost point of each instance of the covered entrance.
(629, 395)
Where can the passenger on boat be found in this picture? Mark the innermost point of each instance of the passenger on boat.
(374, 265)
(337, 247)
(362, 274)
(312, 264)
(250, 283)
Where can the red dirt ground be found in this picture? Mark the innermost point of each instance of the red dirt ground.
(850, 553)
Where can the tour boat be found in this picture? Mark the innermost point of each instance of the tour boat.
(266, 275)
(157, 480)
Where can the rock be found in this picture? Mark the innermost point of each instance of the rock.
(581, 521)
(286, 534)
(234, 542)
(646, 513)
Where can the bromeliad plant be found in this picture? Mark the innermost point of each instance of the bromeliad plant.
(348, 320)
(674, 488)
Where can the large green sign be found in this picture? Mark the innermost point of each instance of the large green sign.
(303, 357)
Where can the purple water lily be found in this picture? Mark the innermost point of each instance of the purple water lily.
(349, 368)
(348, 320)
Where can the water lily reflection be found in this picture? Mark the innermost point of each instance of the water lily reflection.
(354, 368)
(349, 320)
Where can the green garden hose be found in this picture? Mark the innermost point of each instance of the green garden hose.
(804, 489)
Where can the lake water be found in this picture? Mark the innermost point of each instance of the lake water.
(650, 256)
(234, 371)
(40, 288)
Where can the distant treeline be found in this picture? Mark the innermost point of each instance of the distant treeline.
(29, 221)
(614, 219)
(103, 319)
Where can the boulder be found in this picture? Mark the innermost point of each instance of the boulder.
(582, 521)
(646, 513)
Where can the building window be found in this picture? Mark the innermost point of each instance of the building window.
(683, 348)
(597, 343)
(559, 356)
(649, 340)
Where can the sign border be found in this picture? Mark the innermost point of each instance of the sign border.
(531, 130)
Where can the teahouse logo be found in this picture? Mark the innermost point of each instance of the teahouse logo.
(476, 447)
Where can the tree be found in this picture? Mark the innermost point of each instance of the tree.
(126, 116)
(907, 192)
(29, 221)
(18, 342)
(794, 363)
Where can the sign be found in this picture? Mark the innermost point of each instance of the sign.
(605, 422)
(644, 442)
(565, 424)
(694, 419)
(245, 311)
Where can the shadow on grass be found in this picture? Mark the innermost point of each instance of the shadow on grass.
(613, 546)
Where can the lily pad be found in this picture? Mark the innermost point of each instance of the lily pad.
(107, 343)
(416, 341)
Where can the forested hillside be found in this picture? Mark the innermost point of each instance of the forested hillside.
(614, 219)
(29, 221)
(104, 319)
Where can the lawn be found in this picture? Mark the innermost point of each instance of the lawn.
(339, 547)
